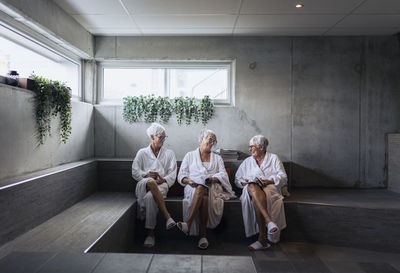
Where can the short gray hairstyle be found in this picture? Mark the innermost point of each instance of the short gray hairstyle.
(155, 129)
(260, 140)
(204, 133)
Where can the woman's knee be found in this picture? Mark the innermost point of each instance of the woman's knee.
(151, 184)
(252, 189)
(201, 190)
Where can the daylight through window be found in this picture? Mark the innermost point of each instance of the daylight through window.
(180, 79)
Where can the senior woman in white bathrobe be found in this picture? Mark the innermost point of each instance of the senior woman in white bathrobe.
(262, 176)
(207, 185)
(154, 169)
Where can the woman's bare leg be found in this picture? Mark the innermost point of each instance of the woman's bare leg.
(204, 215)
(196, 203)
(259, 200)
(152, 186)
(262, 235)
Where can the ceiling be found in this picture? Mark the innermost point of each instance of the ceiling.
(235, 17)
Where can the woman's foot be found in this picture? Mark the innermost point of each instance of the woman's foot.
(170, 223)
(272, 227)
(257, 245)
(203, 243)
(273, 233)
(149, 242)
(184, 227)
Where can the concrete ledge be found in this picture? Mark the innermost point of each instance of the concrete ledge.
(101, 215)
(351, 218)
(39, 196)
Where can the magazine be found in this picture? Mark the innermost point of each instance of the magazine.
(255, 181)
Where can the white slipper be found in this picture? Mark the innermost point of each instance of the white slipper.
(149, 242)
(275, 236)
(184, 227)
(271, 225)
(170, 223)
(201, 242)
(257, 245)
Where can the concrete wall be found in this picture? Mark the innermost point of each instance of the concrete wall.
(393, 155)
(324, 103)
(20, 152)
(50, 18)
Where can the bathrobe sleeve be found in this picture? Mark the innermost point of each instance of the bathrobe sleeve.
(170, 176)
(138, 173)
(222, 175)
(239, 177)
(279, 175)
(184, 169)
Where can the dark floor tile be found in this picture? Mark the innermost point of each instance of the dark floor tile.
(237, 264)
(334, 253)
(175, 263)
(378, 268)
(310, 266)
(23, 262)
(344, 267)
(274, 267)
(274, 253)
(396, 264)
(72, 263)
(300, 251)
(124, 263)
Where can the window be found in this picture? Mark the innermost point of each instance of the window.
(194, 79)
(26, 57)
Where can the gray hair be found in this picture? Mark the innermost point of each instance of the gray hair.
(155, 129)
(204, 133)
(260, 140)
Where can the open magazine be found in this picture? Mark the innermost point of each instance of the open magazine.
(255, 181)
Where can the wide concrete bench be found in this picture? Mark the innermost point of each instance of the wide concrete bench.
(105, 215)
(60, 209)
(89, 206)
(366, 218)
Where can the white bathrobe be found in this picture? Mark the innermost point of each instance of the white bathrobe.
(271, 168)
(165, 165)
(193, 168)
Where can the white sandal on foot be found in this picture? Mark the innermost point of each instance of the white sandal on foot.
(203, 241)
(184, 227)
(170, 223)
(257, 245)
(149, 242)
(274, 236)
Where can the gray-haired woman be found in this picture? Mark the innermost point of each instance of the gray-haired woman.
(207, 185)
(154, 169)
(262, 176)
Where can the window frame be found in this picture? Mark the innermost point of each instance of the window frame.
(193, 64)
(28, 41)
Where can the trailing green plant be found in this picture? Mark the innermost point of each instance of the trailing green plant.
(206, 109)
(191, 110)
(133, 109)
(52, 98)
(179, 108)
(148, 108)
(165, 109)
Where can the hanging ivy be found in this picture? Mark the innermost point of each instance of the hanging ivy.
(206, 109)
(149, 108)
(52, 98)
(165, 109)
(191, 110)
(179, 107)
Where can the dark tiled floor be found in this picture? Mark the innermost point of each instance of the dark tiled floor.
(286, 257)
